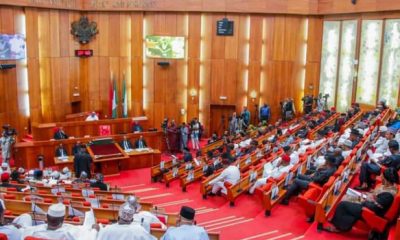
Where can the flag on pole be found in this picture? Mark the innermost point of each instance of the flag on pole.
(124, 99)
(114, 100)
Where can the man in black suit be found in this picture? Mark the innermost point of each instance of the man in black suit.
(60, 134)
(126, 144)
(320, 177)
(82, 161)
(140, 143)
(61, 151)
(77, 146)
(99, 183)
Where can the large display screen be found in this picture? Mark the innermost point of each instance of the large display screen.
(12, 47)
(165, 47)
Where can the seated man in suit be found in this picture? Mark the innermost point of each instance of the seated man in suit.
(140, 143)
(61, 152)
(320, 177)
(99, 182)
(136, 128)
(126, 144)
(60, 134)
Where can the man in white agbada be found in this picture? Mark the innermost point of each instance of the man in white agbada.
(6, 142)
(277, 168)
(65, 174)
(347, 147)
(381, 145)
(144, 218)
(5, 168)
(92, 117)
(230, 174)
(57, 229)
(13, 230)
(124, 229)
(185, 229)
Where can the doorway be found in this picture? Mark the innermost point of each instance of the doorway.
(219, 118)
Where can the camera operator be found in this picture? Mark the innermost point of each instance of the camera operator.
(6, 141)
(307, 104)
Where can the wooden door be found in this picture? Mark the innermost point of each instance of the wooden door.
(219, 115)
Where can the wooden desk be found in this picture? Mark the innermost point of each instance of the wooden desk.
(25, 153)
(65, 163)
(45, 131)
(108, 164)
(141, 159)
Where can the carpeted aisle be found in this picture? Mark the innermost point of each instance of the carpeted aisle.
(245, 220)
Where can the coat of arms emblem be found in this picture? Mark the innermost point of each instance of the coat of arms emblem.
(83, 30)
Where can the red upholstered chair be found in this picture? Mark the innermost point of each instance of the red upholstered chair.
(86, 204)
(76, 195)
(8, 212)
(34, 238)
(92, 196)
(312, 195)
(48, 200)
(339, 171)
(42, 192)
(155, 225)
(3, 236)
(103, 221)
(10, 196)
(11, 189)
(105, 205)
(371, 221)
(76, 219)
(66, 202)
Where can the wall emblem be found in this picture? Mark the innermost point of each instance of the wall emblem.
(83, 30)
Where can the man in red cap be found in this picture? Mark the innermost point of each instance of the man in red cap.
(5, 181)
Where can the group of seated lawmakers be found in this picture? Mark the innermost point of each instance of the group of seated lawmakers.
(383, 158)
(132, 224)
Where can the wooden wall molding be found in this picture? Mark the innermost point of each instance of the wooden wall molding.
(299, 7)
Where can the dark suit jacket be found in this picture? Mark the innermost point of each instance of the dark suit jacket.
(122, 144)
(82, 163)
(321, 176)
(137, 128)
(58, 152)
(137, 143)
(60, 135)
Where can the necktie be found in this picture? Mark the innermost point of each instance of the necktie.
(126, 145)
(140, 144)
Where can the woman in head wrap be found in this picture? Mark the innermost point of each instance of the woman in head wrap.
(379, 201)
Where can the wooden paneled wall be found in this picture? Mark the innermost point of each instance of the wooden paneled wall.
(276, 56)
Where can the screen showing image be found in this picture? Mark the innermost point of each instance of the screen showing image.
(165, 47)
(12, 47)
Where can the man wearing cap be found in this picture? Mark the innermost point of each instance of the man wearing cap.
(347, 147)
(92, 117)
(124, 229)
(320, 177)
(143, 218)
(373, 166)
(5, 181)
(186, 230)
(231, 174)
(65, 174)
(54, 229)
(13, 230)
(5, 168)
(355, 136)
(277, 168)
(381, 145)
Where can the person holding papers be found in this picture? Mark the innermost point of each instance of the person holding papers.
(373, 166)
(140, 143)
(61, 152)
(126, 144)
(348, 212)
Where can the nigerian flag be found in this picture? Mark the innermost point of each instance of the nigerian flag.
(114, 100)
(124, 99)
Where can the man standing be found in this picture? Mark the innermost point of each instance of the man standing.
(60, 134)
(230, 174)
(184, 136)
(140, 143)
(233, 124)
(124, 229)
(195, 134)
(186, 230)
(265, 113)
(82, 162)
(6, 141)
(246, 116)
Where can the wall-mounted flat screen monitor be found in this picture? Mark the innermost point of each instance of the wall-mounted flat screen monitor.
(12, 47)
(165, 47)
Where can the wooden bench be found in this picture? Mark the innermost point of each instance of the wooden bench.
(328, 122)
(158, 233)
